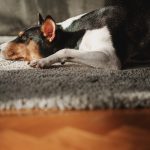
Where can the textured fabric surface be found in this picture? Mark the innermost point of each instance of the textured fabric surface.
(72, 87)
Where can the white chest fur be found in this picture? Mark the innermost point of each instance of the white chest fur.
(100, 40)
(97, 40)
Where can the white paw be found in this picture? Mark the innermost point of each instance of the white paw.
(41, 63)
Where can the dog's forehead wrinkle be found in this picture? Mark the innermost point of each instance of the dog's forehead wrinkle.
(31, 31)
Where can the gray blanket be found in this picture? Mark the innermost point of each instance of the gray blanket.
(72, 87)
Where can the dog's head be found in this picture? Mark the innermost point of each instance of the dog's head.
(33, 43)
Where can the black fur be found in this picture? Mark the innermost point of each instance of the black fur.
(134, 49)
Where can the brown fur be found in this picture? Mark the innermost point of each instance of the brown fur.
(20, 51)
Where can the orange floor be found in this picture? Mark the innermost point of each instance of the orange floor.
(75, 130)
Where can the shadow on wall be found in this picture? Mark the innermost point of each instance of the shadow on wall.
(16, 15)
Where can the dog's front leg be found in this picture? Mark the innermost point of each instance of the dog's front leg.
(60, 56)
(95, 59)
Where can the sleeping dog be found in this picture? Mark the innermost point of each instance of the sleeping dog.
(114, 37)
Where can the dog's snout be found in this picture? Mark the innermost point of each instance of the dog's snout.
(3, 46)
(1, 54)
(2, 50)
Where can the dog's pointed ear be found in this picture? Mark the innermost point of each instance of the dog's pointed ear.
(41, 20)
(48, 28)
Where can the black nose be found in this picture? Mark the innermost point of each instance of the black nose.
(1, 46)
(0, 49)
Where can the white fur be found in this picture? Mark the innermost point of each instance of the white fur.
(99, 40)
(65, 24)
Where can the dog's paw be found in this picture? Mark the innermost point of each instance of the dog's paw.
(41, 63)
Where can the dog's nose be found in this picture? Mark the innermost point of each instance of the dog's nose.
(1, 52)
(1, 55)
(3, 46)
(0, 48)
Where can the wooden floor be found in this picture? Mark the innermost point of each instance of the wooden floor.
(75, 130)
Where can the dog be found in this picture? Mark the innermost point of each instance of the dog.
(114, 37)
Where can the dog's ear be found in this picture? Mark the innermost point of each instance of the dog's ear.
(48, 28)
(41, 20)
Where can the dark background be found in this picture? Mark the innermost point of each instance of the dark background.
(16, 15)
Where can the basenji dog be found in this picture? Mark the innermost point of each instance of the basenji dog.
(114, 37)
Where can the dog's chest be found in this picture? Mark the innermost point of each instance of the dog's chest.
(97, 40)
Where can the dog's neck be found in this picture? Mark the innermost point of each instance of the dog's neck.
(63, 39)
(67, 39)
